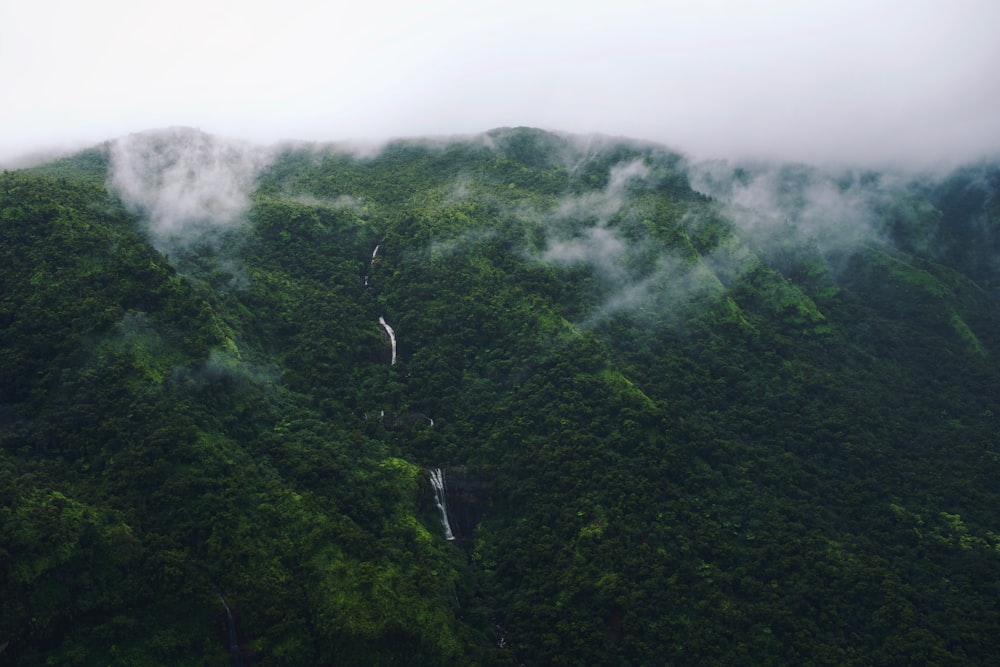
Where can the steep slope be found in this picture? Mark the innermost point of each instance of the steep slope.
(686, 413)
(154, 467)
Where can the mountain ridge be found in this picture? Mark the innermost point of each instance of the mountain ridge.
(750, 423)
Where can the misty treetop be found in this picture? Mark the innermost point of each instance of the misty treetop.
(686, 413)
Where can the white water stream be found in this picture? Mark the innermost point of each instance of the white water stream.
(392, 337)
(371, 265)
(235, 658)
(437, 475)
(437, 480)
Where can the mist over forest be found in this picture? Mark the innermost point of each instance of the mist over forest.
(511, 398)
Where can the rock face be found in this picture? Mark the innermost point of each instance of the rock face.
(467, 500)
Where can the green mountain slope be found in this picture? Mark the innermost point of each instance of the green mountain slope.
(686, 413)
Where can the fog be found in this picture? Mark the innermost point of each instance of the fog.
(595, 244)
(183, 182)
(837, 210)
(879, 82)
(804, 222)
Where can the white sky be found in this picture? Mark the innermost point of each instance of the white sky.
(870, 81)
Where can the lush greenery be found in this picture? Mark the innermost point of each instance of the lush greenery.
(703, 427)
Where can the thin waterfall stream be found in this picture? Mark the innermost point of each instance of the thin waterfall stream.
(437, 480)
(392, 337)
(381, 319)
(235, 657)
(437, 475)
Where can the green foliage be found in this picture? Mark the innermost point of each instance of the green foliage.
(695, 443)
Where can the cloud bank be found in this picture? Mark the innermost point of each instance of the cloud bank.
(604, 232)
(836, 210)
(184, 183)
(596, 244)
(872, 81)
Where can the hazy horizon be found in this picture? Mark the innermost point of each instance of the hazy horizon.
(874, 83)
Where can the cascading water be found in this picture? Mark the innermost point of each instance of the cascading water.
(392, 337)
(437, 480)
(235, 658)
(381, 319)
(371, 266)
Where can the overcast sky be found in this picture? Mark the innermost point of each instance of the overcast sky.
(869, 81)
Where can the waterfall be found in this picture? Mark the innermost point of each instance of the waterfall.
(392, 335)
(235, 659)
(371, 266)
(437, 480)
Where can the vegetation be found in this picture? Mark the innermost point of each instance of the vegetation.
(685, 425)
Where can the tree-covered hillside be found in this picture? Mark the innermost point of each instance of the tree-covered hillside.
(686, 413)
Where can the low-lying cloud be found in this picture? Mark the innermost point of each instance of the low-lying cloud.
(597, 244)
(775, 211)
(183, 182)
(837, 211)
(638, 275)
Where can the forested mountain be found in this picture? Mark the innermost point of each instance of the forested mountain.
(685, 413)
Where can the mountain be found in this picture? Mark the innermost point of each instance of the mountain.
(669, 412)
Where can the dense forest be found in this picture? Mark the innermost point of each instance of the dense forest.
(682, 413)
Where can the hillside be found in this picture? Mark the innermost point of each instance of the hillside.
(685, 413)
